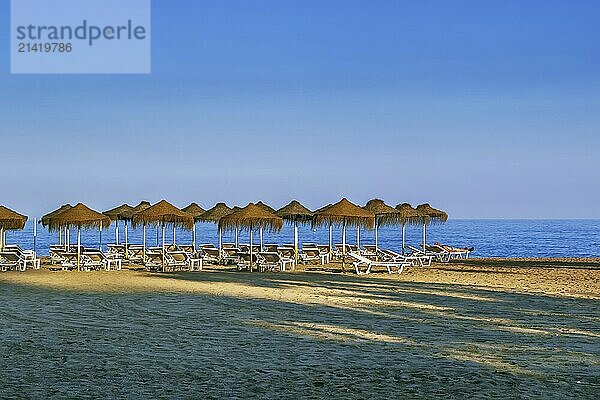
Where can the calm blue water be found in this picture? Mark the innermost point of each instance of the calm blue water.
(491, 238)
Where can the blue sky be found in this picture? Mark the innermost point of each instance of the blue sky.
(485, 109)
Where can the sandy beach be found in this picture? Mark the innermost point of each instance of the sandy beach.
(578, 278)
(523, 327)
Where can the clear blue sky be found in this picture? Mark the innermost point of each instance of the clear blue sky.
(483, 108)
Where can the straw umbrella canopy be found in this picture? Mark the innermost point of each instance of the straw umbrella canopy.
(384, 215)
(214, 215)
(346, 214)
(9, 220)
(45, 220)
(118, 214)
(195, 211)
(250, 217)
(296, 213)
(430, 215)
(163, 213)
(409, 216)
(266, 207)
(140, 207)
(79, 216)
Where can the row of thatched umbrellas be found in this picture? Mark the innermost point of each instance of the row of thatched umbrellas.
(253, 217)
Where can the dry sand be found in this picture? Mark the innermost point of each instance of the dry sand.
(556, 277)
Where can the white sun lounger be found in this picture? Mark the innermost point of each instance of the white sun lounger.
(362, 261)
(272, 261)
(415, 259)
(28, 256)
(11, 261)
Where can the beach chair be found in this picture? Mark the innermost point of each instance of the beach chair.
(210, 254)
(231, 255)
(309, 255)
(368, 263)
(243, 261)
(455, 252)
(286, 252)
(69, 261)
(324, 249)
(96, 259)
(416, 259)
(338, 253)
(272, 261)
(153, 260)
(136, 253)
(114, 250)
(11, 261)
(28, 256)
(228, 246)
(176, 261)
(441, 256)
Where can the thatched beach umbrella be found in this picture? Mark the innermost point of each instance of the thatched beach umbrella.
(409, 216)
(346, 214)
(163, 213)
(432, 215)
(80, 216)
(296, 213)
(128, 215)
(46, 220)
(9, 220)
(195, 211)
(118, 214)
(384, 215)
(214, 215)
(251, 217)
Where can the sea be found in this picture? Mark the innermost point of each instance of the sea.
(489, 237)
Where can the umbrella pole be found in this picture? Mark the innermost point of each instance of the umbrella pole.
(163, 247)
(194, 236)
(60, 235)
(377, 241)
(174, 240)
(236, 236)
(126, 242)
(424, 237)
(358, 239)
(1, 238)
(260, 233)
(157, 228)
(330, 239)
(403, 231)
(68, 238)
(100, 234)
(344, 246)
(250, 248)
(78, 248)
(144, 243)
(220, 244)
(34, 235)
(295, 242)
(117, 232)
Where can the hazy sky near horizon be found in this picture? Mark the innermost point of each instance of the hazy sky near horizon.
(485, 109)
